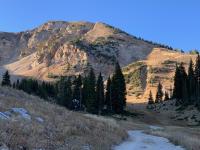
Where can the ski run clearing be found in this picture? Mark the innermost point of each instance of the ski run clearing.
(138, 140)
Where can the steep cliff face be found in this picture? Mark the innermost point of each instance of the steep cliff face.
(67, 48)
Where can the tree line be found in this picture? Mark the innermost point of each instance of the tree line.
(186, 89)
(187, 85)
(79, 93)
(160, 95)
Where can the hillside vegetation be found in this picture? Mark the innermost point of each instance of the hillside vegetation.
(60, 128)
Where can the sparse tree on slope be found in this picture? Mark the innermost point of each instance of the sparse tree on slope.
(6, 79)
(150, 99)
(159, 94)
(166, 96)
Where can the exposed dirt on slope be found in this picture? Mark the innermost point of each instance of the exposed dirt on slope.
(161, 64)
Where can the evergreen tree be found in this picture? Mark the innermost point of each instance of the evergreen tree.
(6, 79)
(118, 90)
(170, 92)
(150, 99)
(77, 91)
(185, 96)
(180, 92)
(177, 84)
(65, 93)
(108, 100)
(100, 93)
(191, 83)
(159, 94)
(84, 92)
(41, 92)
(166, 96)
(197, 81)
(17, 84)
(68, 94)
(183, 82)
(61, 91)
(91, 102)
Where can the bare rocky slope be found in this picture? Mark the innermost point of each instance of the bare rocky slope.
(70, 48)
(143, 76)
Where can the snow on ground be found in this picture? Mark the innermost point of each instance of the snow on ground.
(141, 141)
(3, 116)
(20, 113)
(152, 127)
(39, 119)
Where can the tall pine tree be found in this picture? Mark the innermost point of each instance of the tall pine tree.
(6, 79)
(65, 93)
(84, 92)
(166, 96)
(90, 97)
(77, 91)
(184, 92)
(191, 83)
(159, 94)
(197, 81)
(177, 84)
(150, 99)
(108, 98)
(100, 93)
(118, 90)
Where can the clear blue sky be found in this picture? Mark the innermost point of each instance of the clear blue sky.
(172, 22)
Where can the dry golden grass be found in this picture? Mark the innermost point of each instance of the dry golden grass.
(184, 136)
(61, 129)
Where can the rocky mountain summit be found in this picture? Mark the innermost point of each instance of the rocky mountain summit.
(70, 48)
(67, 48)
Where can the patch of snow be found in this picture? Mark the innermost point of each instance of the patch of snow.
(3, 116)
(156, 127)
(86, 147)
(18, 113)
(141, 141)
(22, 112)
(39, 119)
(15, 112)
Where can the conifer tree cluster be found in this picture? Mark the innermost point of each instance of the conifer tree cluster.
(43, 89)
(160, 96)
(187, 85)
(114, 99)
(79, 93)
